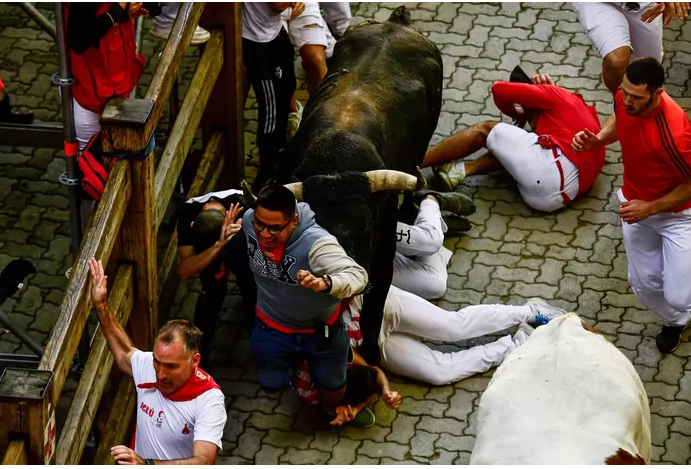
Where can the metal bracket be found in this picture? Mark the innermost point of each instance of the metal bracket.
(67, 181)
(58, 80)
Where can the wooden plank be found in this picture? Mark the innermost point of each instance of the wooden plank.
(82, 411)
(185, 127)
(16, 454)
(121, 415)
(139, 245)
(98, 242)
(225, 109)
(174, 52)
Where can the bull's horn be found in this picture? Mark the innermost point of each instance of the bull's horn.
(390, 180)
(250, 198)
(296, 189)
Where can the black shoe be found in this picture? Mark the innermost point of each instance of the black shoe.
(669, 338)
(453, 202)
(12, 115)
(457, 226)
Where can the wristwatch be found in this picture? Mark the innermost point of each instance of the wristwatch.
(329, 284)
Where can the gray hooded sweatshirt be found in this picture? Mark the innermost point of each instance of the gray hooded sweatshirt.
(310, 247)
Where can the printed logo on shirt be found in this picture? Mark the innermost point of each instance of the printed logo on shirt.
(159, 419)
(269, 269)
(279, 72)
(147, 410)
(185, 431)
(401, 235)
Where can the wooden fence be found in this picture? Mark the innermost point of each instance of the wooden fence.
(123, 233)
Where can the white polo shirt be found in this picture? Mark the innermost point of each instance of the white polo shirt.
(259, 22)
(167, 429)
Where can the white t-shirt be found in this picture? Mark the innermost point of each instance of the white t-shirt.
(167, 429)
(259, 22)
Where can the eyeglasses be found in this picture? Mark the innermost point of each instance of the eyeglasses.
(274, 230)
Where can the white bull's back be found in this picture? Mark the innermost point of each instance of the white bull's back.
(566, 396)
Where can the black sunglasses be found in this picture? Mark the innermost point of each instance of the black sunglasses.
(274, 230)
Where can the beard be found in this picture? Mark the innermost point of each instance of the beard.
(632, 111)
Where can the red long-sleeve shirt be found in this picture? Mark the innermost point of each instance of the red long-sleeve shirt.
(656, 150)
(563, 115)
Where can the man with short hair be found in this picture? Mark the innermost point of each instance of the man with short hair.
(212, 245)
(180, 408)
(621, 31)
(302, 274)
(655, 199)
(548, 173)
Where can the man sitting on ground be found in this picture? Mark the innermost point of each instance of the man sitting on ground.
(548, 172)
(211, 245)
(181, 410)
(421, 258)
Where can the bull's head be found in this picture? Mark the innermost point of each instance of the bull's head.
(344, 204)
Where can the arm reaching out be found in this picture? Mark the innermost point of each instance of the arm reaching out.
(120, 345)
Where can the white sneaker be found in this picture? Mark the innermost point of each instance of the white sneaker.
(200, 36)
(449, 175)
(294, 119)
(543, 311)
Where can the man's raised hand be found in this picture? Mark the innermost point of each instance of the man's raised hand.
(585, 140)
(670, 10)
(99, 282)
(542, 79)
(231, 225)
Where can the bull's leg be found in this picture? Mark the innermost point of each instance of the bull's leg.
(381, 274)
(459, 145)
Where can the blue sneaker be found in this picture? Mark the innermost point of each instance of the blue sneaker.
(543, 311)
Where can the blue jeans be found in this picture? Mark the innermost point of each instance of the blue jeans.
(276, 354)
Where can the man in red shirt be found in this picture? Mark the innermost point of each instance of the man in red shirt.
(548, 172)
(655, 200)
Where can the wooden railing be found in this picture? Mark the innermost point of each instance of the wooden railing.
(122, 233)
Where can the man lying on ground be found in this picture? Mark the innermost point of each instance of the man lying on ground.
(407, 317)
(420, 263)
(549, 173)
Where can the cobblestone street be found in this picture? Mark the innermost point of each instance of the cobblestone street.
(574, 259)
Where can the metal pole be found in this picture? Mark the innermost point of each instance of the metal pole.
(21, 335)
(41, 20)
(71, 179)
(138, 36)
(65, 81)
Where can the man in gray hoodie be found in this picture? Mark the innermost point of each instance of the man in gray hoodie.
(302, 274)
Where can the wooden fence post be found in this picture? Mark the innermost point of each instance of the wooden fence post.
(225, 108)
(127, 127)
(25, 408)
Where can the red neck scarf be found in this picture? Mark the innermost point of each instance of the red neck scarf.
(274, 255)
(198, 384)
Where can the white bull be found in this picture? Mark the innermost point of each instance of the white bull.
(567, 396)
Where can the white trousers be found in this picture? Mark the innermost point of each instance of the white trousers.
(168, 14)
(86, 124)
(421, 258)
(406, 315)
(659, 255)
(533, 167)
(610, 26)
